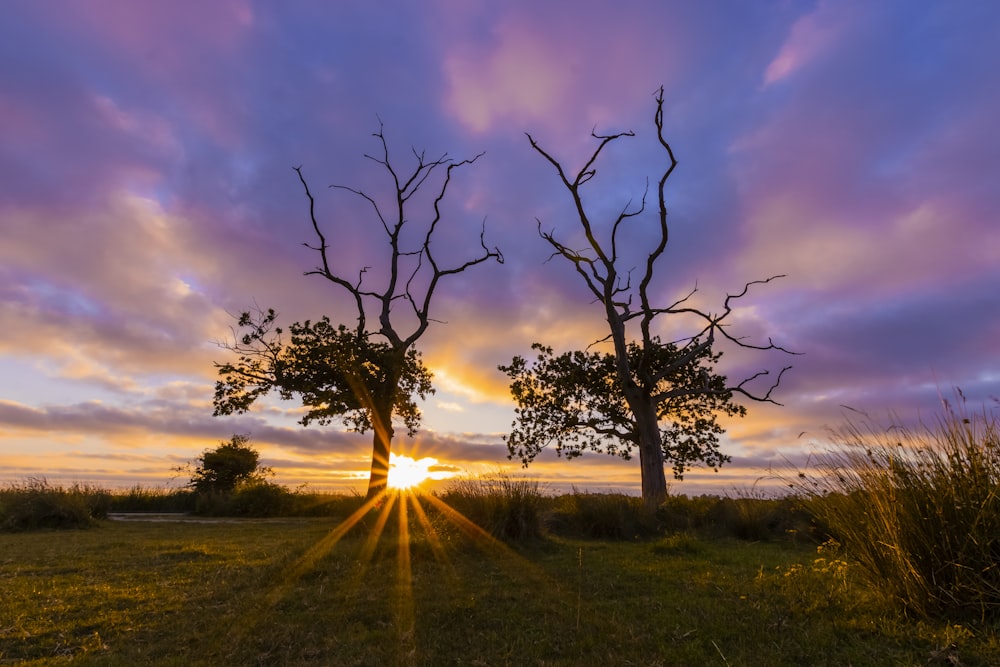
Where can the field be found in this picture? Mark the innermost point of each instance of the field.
(303, 592)
(886, 555)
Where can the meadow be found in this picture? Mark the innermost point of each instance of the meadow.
(280, 591)
(886, 555)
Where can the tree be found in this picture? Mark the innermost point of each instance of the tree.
(575, 400)
(616, 401)
(362, 375)
(229, 464)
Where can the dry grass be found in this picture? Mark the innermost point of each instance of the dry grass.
(919, 510)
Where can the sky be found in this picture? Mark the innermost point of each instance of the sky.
(147, 196)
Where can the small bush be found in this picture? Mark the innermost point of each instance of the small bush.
(919, 510)
(507, 507)
(35, 504)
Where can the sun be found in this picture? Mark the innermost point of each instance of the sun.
(406, 472)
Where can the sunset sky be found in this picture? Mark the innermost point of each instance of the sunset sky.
(147, 194)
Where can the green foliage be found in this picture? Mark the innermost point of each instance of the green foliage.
(602, 516)
(35, 504)
(745, 517)
(507, 507)
(919, 510)
(221, 469)
(252, 498)
(338, 374)
(576, 401)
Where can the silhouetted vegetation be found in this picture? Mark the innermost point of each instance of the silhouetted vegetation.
(363, 375)
(35, 504)
(659, 398)
(918, 509)
(221, 470)
(613, 516)
(152, 500)
(507, 507)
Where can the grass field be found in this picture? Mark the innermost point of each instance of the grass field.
(288, 592)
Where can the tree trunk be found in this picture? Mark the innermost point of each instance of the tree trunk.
(654, 480)
(378, 479)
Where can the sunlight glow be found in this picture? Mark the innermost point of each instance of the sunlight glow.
(406, 472)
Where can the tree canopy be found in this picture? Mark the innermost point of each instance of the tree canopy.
(337, 373)
(575, 402)
(223, 468)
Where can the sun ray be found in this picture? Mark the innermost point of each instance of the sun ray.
(303, 564)
(406, 621)
(402, 604)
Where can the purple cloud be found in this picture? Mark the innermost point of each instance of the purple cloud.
(147, 195)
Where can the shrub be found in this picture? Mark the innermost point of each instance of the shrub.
(751, 515)
(602, 516)
(509, 508)
(221, 469)
(35, 504)
(919, 509)
(260, 499)
(680, 513)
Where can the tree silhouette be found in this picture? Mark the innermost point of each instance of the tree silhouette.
(229, 464)
(617, 401)
(364, 374)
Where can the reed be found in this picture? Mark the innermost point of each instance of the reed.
(919, 509)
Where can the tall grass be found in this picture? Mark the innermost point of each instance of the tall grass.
(34, 504)
(507, 507)
(919, 509)
(140, 498)
(602, 516)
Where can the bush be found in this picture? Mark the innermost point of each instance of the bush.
(919, 510)
(222, 469)
(255, 498)
(261, 499)
(508, 508)
(680, 513)
(35, 504)
(750, 516)
(602, 516)
(325, 504)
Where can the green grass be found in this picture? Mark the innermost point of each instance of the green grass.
(284, 591)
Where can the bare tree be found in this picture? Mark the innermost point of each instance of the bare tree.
(653, 382)
(364, 373)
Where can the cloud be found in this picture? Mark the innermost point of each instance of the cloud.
(809, 38)
(521, 78)
(147, 193)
